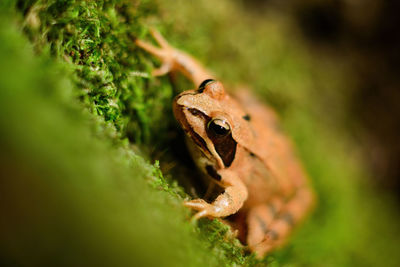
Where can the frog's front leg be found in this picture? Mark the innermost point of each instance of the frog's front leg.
(173, 59)
(229, 202)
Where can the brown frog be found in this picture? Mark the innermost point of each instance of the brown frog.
(236, 143)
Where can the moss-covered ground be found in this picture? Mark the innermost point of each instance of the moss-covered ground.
(89, 162)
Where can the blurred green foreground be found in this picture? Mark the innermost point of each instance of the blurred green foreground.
(80, 119)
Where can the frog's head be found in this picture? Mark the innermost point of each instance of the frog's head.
(204, 116)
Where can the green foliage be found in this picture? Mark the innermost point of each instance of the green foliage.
(81, 118)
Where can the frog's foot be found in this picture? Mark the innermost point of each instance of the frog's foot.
(165, 52)
(173, 59)
(224, 205)
(204, 209)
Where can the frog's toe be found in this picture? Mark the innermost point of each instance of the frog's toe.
(204, 209)
(158, 52)
(201, 214)
(159, 38)
(164, 69)
(196, 204)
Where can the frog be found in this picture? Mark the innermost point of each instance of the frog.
(238, 145)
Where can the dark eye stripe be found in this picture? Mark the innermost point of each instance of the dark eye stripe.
(225, 147)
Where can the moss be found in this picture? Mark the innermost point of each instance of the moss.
(82, 119)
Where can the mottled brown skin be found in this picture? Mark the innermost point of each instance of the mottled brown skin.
(236, 142)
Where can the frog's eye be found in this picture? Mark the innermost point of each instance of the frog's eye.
(220, 133)
(219, 127)
(204, 84)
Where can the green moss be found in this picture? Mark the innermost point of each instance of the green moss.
(81, 120)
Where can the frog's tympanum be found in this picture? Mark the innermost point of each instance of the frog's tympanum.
(236, 142)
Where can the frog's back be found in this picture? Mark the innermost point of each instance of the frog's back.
(271, 145)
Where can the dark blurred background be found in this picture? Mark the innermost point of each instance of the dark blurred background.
(363, 35)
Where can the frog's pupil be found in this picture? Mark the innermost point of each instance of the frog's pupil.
(218, 129)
